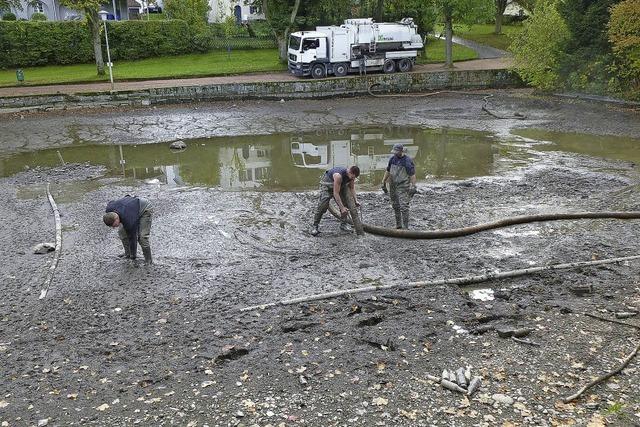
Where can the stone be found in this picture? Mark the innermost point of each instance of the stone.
(43, 248)
(626, 314)
(43, 422)
(502, 399)
(581, 290)
(474, 385)
(178, 145)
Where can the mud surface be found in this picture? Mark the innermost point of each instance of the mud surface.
(118, 343)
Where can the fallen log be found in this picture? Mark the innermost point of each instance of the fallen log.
(464, 280)
(56, 254)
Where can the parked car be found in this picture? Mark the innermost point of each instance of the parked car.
(153, 8)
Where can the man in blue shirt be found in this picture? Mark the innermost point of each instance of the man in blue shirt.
(333, 184)
(401, 175)
(133, 217)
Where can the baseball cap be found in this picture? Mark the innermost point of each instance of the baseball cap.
(397, 148)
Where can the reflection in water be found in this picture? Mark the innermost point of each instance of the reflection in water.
(608, 147)
(283, 162)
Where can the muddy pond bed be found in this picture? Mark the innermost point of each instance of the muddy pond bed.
(118, 343)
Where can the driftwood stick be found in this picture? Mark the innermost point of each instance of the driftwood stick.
(465, 280)
(595, 316)
(602, 378)
(56, 254)
(521, 341)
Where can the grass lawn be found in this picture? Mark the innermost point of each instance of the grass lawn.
(434, 52)
(193, 65)
(483, 34)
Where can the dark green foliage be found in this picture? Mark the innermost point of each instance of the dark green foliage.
(584, 64)
(145, 39)
(29, 43)
(38, 17)
(9, 16)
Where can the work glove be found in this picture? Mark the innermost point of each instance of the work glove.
(412, 190)
(384, 189)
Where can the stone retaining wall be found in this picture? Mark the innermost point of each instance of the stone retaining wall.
(303, 88)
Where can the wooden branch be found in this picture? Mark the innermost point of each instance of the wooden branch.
(595, 316)
(464, 280)
(603, 378)
(56, 254)
(521, 341)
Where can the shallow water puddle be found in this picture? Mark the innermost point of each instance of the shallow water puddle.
(279, 162)
(291, 162)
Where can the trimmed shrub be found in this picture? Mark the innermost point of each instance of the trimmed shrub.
(29, 43)
(38, 17)
(9, 16)
(144, 39)
(33, 43)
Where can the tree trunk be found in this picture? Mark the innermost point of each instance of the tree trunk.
(501, 6)
(379, 11)
(448, 46)
(93, 20)
(498, 29)
(283, 45)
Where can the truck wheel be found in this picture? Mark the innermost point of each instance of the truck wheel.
(340, 70)
(389, 66)
(318, 71)
(405, 65)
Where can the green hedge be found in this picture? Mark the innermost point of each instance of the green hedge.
(145, 39)
(29, 43)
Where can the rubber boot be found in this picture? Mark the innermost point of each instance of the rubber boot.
(147, 255)
(127, 251)
(398, 219)
(405, 220)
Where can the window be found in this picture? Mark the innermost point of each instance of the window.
(37, 7)
(294, 43)
(310, 44)
(253, 10)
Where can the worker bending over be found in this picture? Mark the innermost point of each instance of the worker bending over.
(133, 217)
(333, 184)
(401, 175)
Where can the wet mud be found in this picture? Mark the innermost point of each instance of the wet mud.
(118, 343)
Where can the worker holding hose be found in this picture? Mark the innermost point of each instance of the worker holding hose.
(132, 217)
(333, 184)
(401, 175)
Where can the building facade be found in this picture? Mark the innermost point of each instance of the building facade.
(238, 9)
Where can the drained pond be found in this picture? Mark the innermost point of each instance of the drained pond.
(116, 342)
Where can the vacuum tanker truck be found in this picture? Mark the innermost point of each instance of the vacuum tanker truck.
(358, 45)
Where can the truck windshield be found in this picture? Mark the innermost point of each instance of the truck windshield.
(294, 43)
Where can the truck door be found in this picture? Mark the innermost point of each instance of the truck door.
(314, 48)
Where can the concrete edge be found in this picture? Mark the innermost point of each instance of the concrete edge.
(296, 89)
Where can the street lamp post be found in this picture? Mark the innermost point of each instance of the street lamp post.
(103, 16)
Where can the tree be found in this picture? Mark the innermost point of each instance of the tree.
(539, 47)
(281, 16)
(501, 6)
(463, 11)
(624, 35)
(422, 12)
(7, 5)
(194, 12)
(90, 9)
